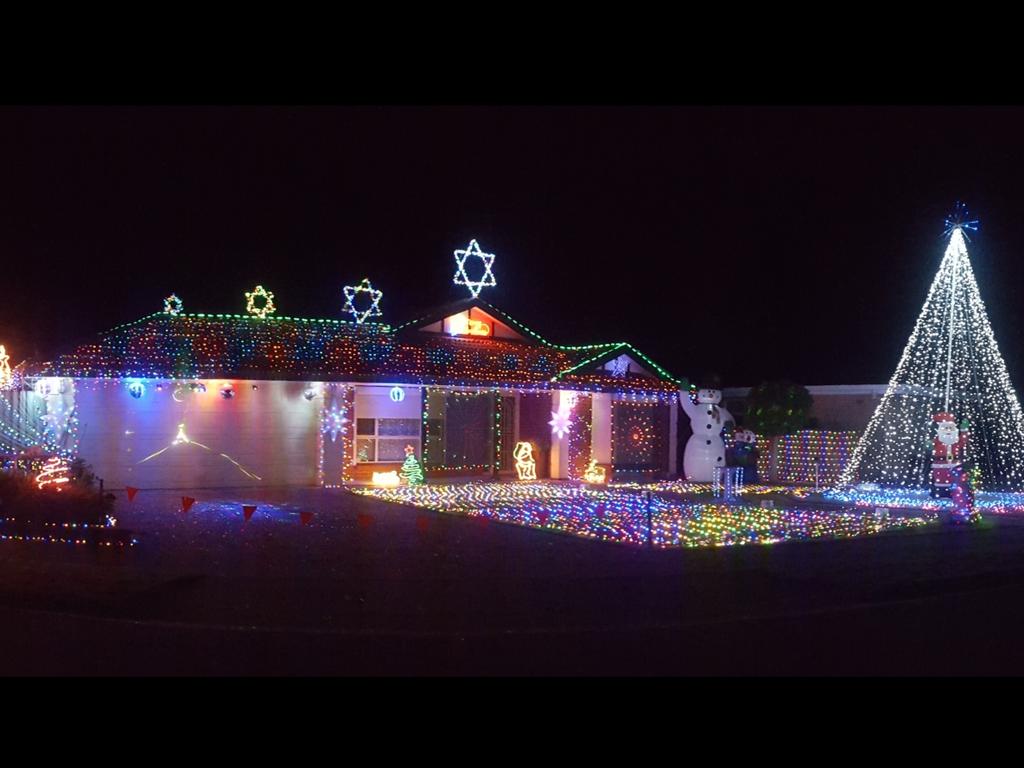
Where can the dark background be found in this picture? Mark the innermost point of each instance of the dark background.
(752, 243)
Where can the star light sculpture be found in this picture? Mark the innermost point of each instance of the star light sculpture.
(268, 307)
(173, 305)
(560, 423)
(462, 278)
(364, 287)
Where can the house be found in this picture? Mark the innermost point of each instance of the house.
(177, 400)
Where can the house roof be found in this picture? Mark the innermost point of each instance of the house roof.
(243, 346)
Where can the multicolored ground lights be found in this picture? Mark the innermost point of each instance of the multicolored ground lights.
(993, 502)
(641, 518)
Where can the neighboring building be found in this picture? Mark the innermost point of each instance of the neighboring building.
(838, 408)
(203, 400)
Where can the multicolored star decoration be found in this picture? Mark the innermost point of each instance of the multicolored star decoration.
(173, 305)
(266, 308)
(364, 287)
(462, 278)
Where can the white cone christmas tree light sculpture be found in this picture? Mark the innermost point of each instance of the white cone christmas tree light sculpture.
(951, 365)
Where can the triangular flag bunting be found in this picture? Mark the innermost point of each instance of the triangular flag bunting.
(131, 492)
(186, 503)
(305, 517)
(248, 510)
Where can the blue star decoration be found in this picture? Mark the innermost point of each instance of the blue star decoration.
(960, 219)
(462, 278)
(364, 287)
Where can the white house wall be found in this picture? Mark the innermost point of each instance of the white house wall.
(271, 432)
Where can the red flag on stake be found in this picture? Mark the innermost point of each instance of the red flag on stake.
(363, 520)
(247, 511)
(131, 492)
(305, 517)
(186, 503)
(422, 522)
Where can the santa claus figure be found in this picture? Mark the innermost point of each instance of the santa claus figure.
(947, 451)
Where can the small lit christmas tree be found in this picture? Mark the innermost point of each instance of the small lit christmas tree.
(412, 470)
(53, 474)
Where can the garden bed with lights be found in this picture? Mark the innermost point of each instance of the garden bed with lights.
(631, 516)
(57, 505)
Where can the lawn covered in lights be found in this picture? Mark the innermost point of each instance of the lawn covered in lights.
(619, 515)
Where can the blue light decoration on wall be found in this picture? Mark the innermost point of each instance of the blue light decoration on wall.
(136, 389)
(397, 394)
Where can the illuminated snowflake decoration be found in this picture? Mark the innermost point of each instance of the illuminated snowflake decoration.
(334, 423)
(560, 423)
(620, 367)
(350, 306)
(462, 278)
(263, 309)
(173, 305)
(960, 219)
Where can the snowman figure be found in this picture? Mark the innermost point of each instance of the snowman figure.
(705, 450)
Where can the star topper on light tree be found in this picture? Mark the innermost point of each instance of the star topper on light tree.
(366, 287)
(462, 277)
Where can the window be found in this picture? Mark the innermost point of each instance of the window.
(380, 440)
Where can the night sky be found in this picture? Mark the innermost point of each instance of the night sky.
(749, 243)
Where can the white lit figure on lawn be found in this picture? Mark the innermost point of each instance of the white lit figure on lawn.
(705, 450)
(526, 465)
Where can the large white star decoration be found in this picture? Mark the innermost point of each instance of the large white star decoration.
(364, 287)
(560, 422)
(265, 308)
(461, 278)
(334, 423)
